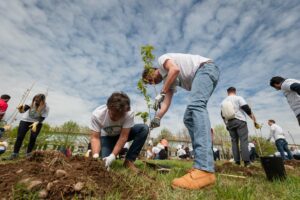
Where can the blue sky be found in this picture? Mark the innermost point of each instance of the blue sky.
(82, 51)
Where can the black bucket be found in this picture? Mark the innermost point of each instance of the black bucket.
(274, 168)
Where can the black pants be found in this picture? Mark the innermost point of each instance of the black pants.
(22, 130)
(253, 154)
(216, 155)
(298, 117)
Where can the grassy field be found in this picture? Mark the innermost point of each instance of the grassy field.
(154, 185)
(254, 187)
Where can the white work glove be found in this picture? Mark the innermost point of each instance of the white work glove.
(155, 123)
(87, 154)
(33, 126)
(95, 156)
(158, 100)
(4, 143)
(257, 126)
(7, 127)
(109, 160)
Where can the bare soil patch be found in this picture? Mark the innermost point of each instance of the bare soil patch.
(54, 176)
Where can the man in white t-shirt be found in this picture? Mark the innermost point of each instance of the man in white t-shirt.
(199, 75)
(291, 90)
(252, 151)
(277, 133)
(112, 125)
(181, 153)
(236, 124)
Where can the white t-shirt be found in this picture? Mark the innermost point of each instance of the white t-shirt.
(150, 142)
(31, 115)
(250, 145)
(149, 154)
(296, 152)
(101, 122)
(292, 97)
(276, 132)
(188, 65)
(156, 150)
(237, 102)
(127, 145)
(181, 152)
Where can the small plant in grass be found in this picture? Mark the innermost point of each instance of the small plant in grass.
(148, 58)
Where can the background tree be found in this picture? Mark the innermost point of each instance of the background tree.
(221, 137)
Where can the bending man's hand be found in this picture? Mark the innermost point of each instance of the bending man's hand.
(155, 123)
(158, 100)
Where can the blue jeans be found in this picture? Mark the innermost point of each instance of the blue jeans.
(138, 134)
(196, 117)
(282, 146)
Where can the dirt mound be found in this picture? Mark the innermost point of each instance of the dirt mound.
(53, 176)
(232, 168)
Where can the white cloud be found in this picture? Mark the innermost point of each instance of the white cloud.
(83, 51)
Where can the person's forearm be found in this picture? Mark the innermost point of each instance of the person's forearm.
(172, 75)
(165, 105)
(163, 110)
(120, 144)
(95, 144)
(253, 117)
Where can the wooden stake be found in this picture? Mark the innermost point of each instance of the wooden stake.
(233, 176)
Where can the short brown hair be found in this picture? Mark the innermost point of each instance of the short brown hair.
(118, 101)
(146, 73)
(272, 121)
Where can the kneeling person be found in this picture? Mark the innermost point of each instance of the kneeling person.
(112, 125)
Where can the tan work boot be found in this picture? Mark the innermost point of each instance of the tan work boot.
(194, 179)
(130, 165)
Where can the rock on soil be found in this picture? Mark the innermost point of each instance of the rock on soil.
(78, 186)
(43, 194)
(60, 173)
(40, 171)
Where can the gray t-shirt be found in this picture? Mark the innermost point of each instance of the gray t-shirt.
(101, 122)
(292, 97)
(31, 115)
(237, 102)
(188, 65)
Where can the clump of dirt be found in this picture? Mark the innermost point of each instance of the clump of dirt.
(54, 176)
(232, 168)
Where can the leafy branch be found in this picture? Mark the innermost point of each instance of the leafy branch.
(148, 58)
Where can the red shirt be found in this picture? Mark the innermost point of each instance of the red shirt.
(3, 106)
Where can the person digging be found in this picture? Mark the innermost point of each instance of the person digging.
(112, 125)
(199, 75)
(291, 90)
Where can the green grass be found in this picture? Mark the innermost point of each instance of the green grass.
(158, 185)
(255, 187)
